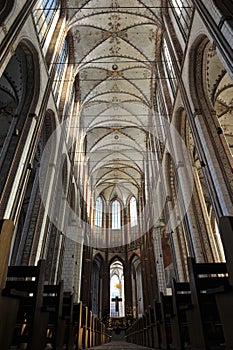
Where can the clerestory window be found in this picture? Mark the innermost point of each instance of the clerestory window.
(60, 70)
(133, 212)
(168, 68)
(99, 212)
(182, 11)
(44, 15)
(116, 215)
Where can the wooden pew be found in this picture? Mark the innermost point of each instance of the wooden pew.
(88, 331)
(166, 320)
(181, 298)
(151, 326)
(77, 325)
(85, 326)
(206, 281)
(67, 315)
(135, 333)
(8, 315)
(90, 325)
(101, 336)
(8, 306)
(26, 284)
(158, 322)
(146, 328)
(99, 327)
(146, 331)
(80, 314)
(53, 305)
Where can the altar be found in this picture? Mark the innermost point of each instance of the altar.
(118, 328)
(117, 322)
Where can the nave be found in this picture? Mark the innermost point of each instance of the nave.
(116, 187)
(38, 316)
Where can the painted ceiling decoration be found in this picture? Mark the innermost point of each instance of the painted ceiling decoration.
(115, 49)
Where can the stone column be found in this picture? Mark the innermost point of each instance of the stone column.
(159, 264)
(78, 271)
(128, 283)
(105, 310)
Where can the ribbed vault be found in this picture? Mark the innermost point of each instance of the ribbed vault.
(115, 48)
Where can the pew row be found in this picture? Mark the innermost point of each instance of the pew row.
(43, 316)
(198, 315)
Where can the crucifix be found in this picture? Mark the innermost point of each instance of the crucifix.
(117, 300)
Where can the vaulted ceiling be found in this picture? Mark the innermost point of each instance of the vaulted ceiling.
(115, 48)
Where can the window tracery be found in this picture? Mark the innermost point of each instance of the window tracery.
(99, 212)
(169, 73)
(182, 12)
(116, 215)
(60, 69)
(133, 212)
(44, 16)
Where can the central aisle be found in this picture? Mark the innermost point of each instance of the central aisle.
(120, 345)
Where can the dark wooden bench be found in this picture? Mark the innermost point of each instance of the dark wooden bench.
(80, 325)
(158, 322)
(46, 316)
(151, 327)
(67, 316)
(136, 333)
(166, 320)
(181, 298)
(53, 305)
(26, 283)
(207, 280)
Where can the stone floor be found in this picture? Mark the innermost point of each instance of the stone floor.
(119, 345)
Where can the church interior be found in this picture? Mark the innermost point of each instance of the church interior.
(116, 174)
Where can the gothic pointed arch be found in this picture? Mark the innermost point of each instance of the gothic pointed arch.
(201, 194)
(18, 98)
(211, 88)
(133, 211)
(27, 242)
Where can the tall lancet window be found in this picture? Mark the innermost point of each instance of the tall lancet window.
(116, 215)
(44, 15)
(99, 212)
(168, 68)
(133, 212)
(60, 69)
(182, 11)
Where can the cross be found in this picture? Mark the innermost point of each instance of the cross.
(117, 300)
